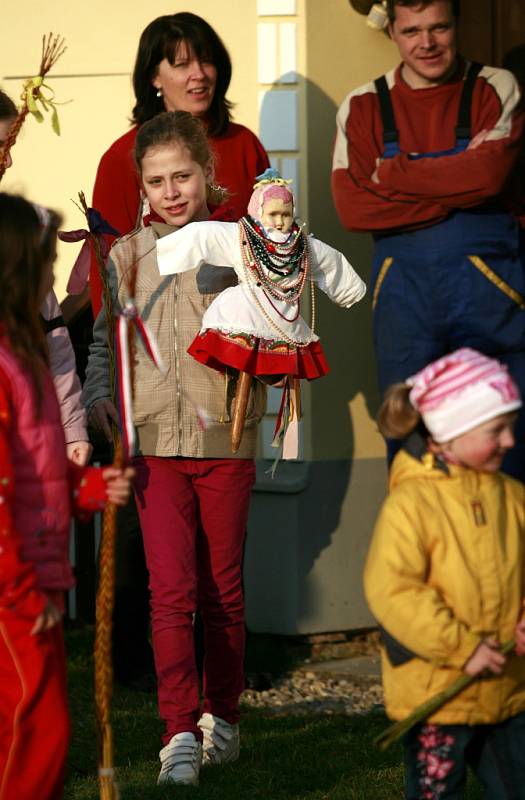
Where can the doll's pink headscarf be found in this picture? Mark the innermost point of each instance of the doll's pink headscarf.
(266, 191)
(460, 391)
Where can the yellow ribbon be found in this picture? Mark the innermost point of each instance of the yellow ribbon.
(33, 94)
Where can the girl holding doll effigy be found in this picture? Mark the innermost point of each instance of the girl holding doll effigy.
(192, 495)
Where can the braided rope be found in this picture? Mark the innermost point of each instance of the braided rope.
(52, 48)
(103, 663)
(105, 601)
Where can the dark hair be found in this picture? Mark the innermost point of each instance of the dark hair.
(397, 417)
(8, 110)
(25, 249)
(391, 6)
(178, 126)
(159, 41)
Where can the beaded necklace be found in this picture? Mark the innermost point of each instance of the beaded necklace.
(282, 260)
(287, 260)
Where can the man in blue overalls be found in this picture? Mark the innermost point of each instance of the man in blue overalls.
(422, 160)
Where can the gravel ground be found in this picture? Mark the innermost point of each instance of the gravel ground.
(301, 692)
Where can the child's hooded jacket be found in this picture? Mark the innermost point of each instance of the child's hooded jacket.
(446, 569)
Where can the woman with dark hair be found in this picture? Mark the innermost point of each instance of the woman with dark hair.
(181, 65)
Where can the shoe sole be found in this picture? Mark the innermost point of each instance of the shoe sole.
(180, 783)
(209, 762)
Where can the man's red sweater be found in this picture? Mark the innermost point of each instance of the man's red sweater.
(414, 193)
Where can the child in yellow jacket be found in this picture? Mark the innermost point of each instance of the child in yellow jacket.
(445, 576)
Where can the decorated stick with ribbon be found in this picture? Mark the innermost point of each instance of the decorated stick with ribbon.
(106, 585)
(128, 321)
(93, 236)
(37, 97)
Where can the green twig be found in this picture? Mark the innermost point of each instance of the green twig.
(425, 710)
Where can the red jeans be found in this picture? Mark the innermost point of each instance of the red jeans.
(34, 721)
(193, 513)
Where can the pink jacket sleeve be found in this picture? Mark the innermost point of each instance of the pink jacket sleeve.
(63, 369)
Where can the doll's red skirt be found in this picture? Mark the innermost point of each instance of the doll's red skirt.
(258, 357)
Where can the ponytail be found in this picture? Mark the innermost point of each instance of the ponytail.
(397, 417)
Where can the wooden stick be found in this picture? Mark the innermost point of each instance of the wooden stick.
(244, 382)
(105, 599)
(298, 404)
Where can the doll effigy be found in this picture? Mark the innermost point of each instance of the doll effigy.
(256, 327)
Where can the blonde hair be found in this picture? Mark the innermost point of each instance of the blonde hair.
(397, 417)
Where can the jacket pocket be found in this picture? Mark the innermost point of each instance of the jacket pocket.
(497, 281)
(385, 266)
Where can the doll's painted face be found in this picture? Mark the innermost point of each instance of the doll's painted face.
(277, 214)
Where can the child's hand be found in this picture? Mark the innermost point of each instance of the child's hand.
(100, 416)
(375, 176)
(478, 139)
(49, 617)
(79, 452)
(486, 657)
(519, 635)
(118, 484)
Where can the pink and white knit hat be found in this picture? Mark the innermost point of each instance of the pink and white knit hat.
(460, 391)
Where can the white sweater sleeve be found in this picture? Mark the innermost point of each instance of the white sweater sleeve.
(334, 274)
(215, 243)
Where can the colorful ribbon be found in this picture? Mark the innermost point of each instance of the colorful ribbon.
(98, 226)
(130, 315)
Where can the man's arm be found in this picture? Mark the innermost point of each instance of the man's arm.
(361, 204)
(469, 178)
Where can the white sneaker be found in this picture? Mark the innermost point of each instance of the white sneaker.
(181, 760)
(221, 740)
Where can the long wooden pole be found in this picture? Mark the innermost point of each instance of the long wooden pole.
(105, 600)
(242, 394)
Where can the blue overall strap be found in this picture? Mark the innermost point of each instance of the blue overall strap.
(390, 132)
(463, 130)
(463, 127)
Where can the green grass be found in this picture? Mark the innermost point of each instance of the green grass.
(282, 758)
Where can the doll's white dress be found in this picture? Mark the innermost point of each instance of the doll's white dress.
(247, 327)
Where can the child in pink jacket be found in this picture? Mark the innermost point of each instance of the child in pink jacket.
(61, 354)
(39, 489)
